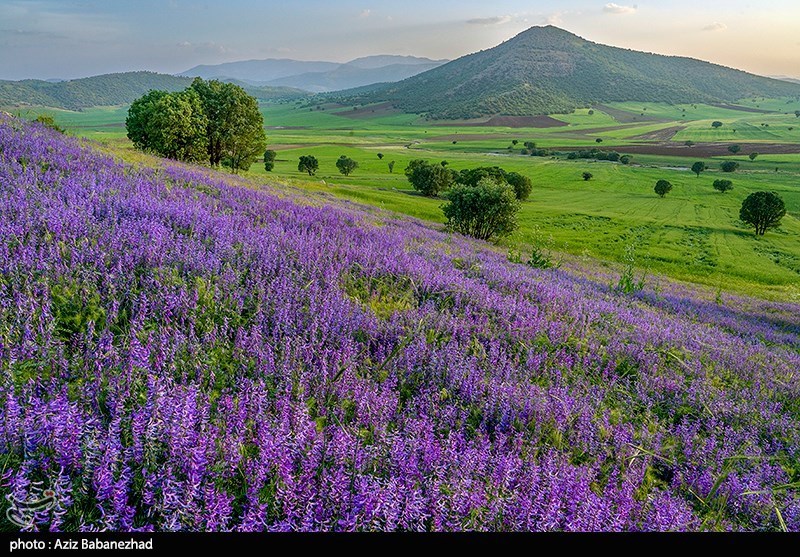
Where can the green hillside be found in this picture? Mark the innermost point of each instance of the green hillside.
(547, 70)
(107, 90)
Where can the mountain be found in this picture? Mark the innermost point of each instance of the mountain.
(380, 61)
(786, 78)
(547, 70)
(259, 71)
(107, 90)
(319, 77)
(350, 75)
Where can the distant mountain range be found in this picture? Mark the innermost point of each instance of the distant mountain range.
(109, 90)
(547, 70)
(318, 77)
(786, 78)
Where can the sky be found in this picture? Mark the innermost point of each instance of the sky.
(66, 39)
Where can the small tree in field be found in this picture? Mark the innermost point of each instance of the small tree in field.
(723, 185)
(346, 165)
(587, 176)
(308, 163)
(734, 149)
(483, 211)
(699, 167)
(269, 159)
(380, 156)
(663, 187)
(729, 166)
(391, 167)
(716, 125)
(753, 156)
(763, 210)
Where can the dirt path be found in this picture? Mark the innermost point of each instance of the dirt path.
(665, 134)
(506, 122)
(625, 117)
(700, 150)
(742, 108)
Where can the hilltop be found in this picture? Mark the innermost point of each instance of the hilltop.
(547, 70)
(107, 90)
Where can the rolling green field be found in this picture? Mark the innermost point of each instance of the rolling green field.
(692, 234)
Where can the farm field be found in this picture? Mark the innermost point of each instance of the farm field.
(693, 234)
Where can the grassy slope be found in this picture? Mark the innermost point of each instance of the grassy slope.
(692, 234)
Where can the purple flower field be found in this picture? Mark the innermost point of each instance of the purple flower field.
(180, 351)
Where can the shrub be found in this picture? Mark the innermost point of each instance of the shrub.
(482, 211)
(729, 166)
(50, 122)
(269, 159)
(587, 176)
(717, 124)
(723, 185)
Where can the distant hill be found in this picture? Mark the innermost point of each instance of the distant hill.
(318, 77)
(547, 70)
(107, 90)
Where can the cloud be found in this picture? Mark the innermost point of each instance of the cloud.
(496, 20)
(365, 14)
(616, 9)
(716, 26)
(554, 19)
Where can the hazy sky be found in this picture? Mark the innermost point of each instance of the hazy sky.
(72, 38)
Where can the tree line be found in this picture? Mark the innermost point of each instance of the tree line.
(210, 121)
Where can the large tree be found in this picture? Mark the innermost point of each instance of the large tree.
(699, 167)
(169, 124)
(138, 122)
(235, 128)
(763, 210)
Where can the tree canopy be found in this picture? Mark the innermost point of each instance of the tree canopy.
(215, 121)
(346, 165)
(308, 163)
(763, 210)
(235, 128)
(663, 187)
(699, 167)
(171, 125)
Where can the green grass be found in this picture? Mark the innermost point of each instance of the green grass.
(692, 234)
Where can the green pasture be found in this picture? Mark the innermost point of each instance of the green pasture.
(692, 234)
